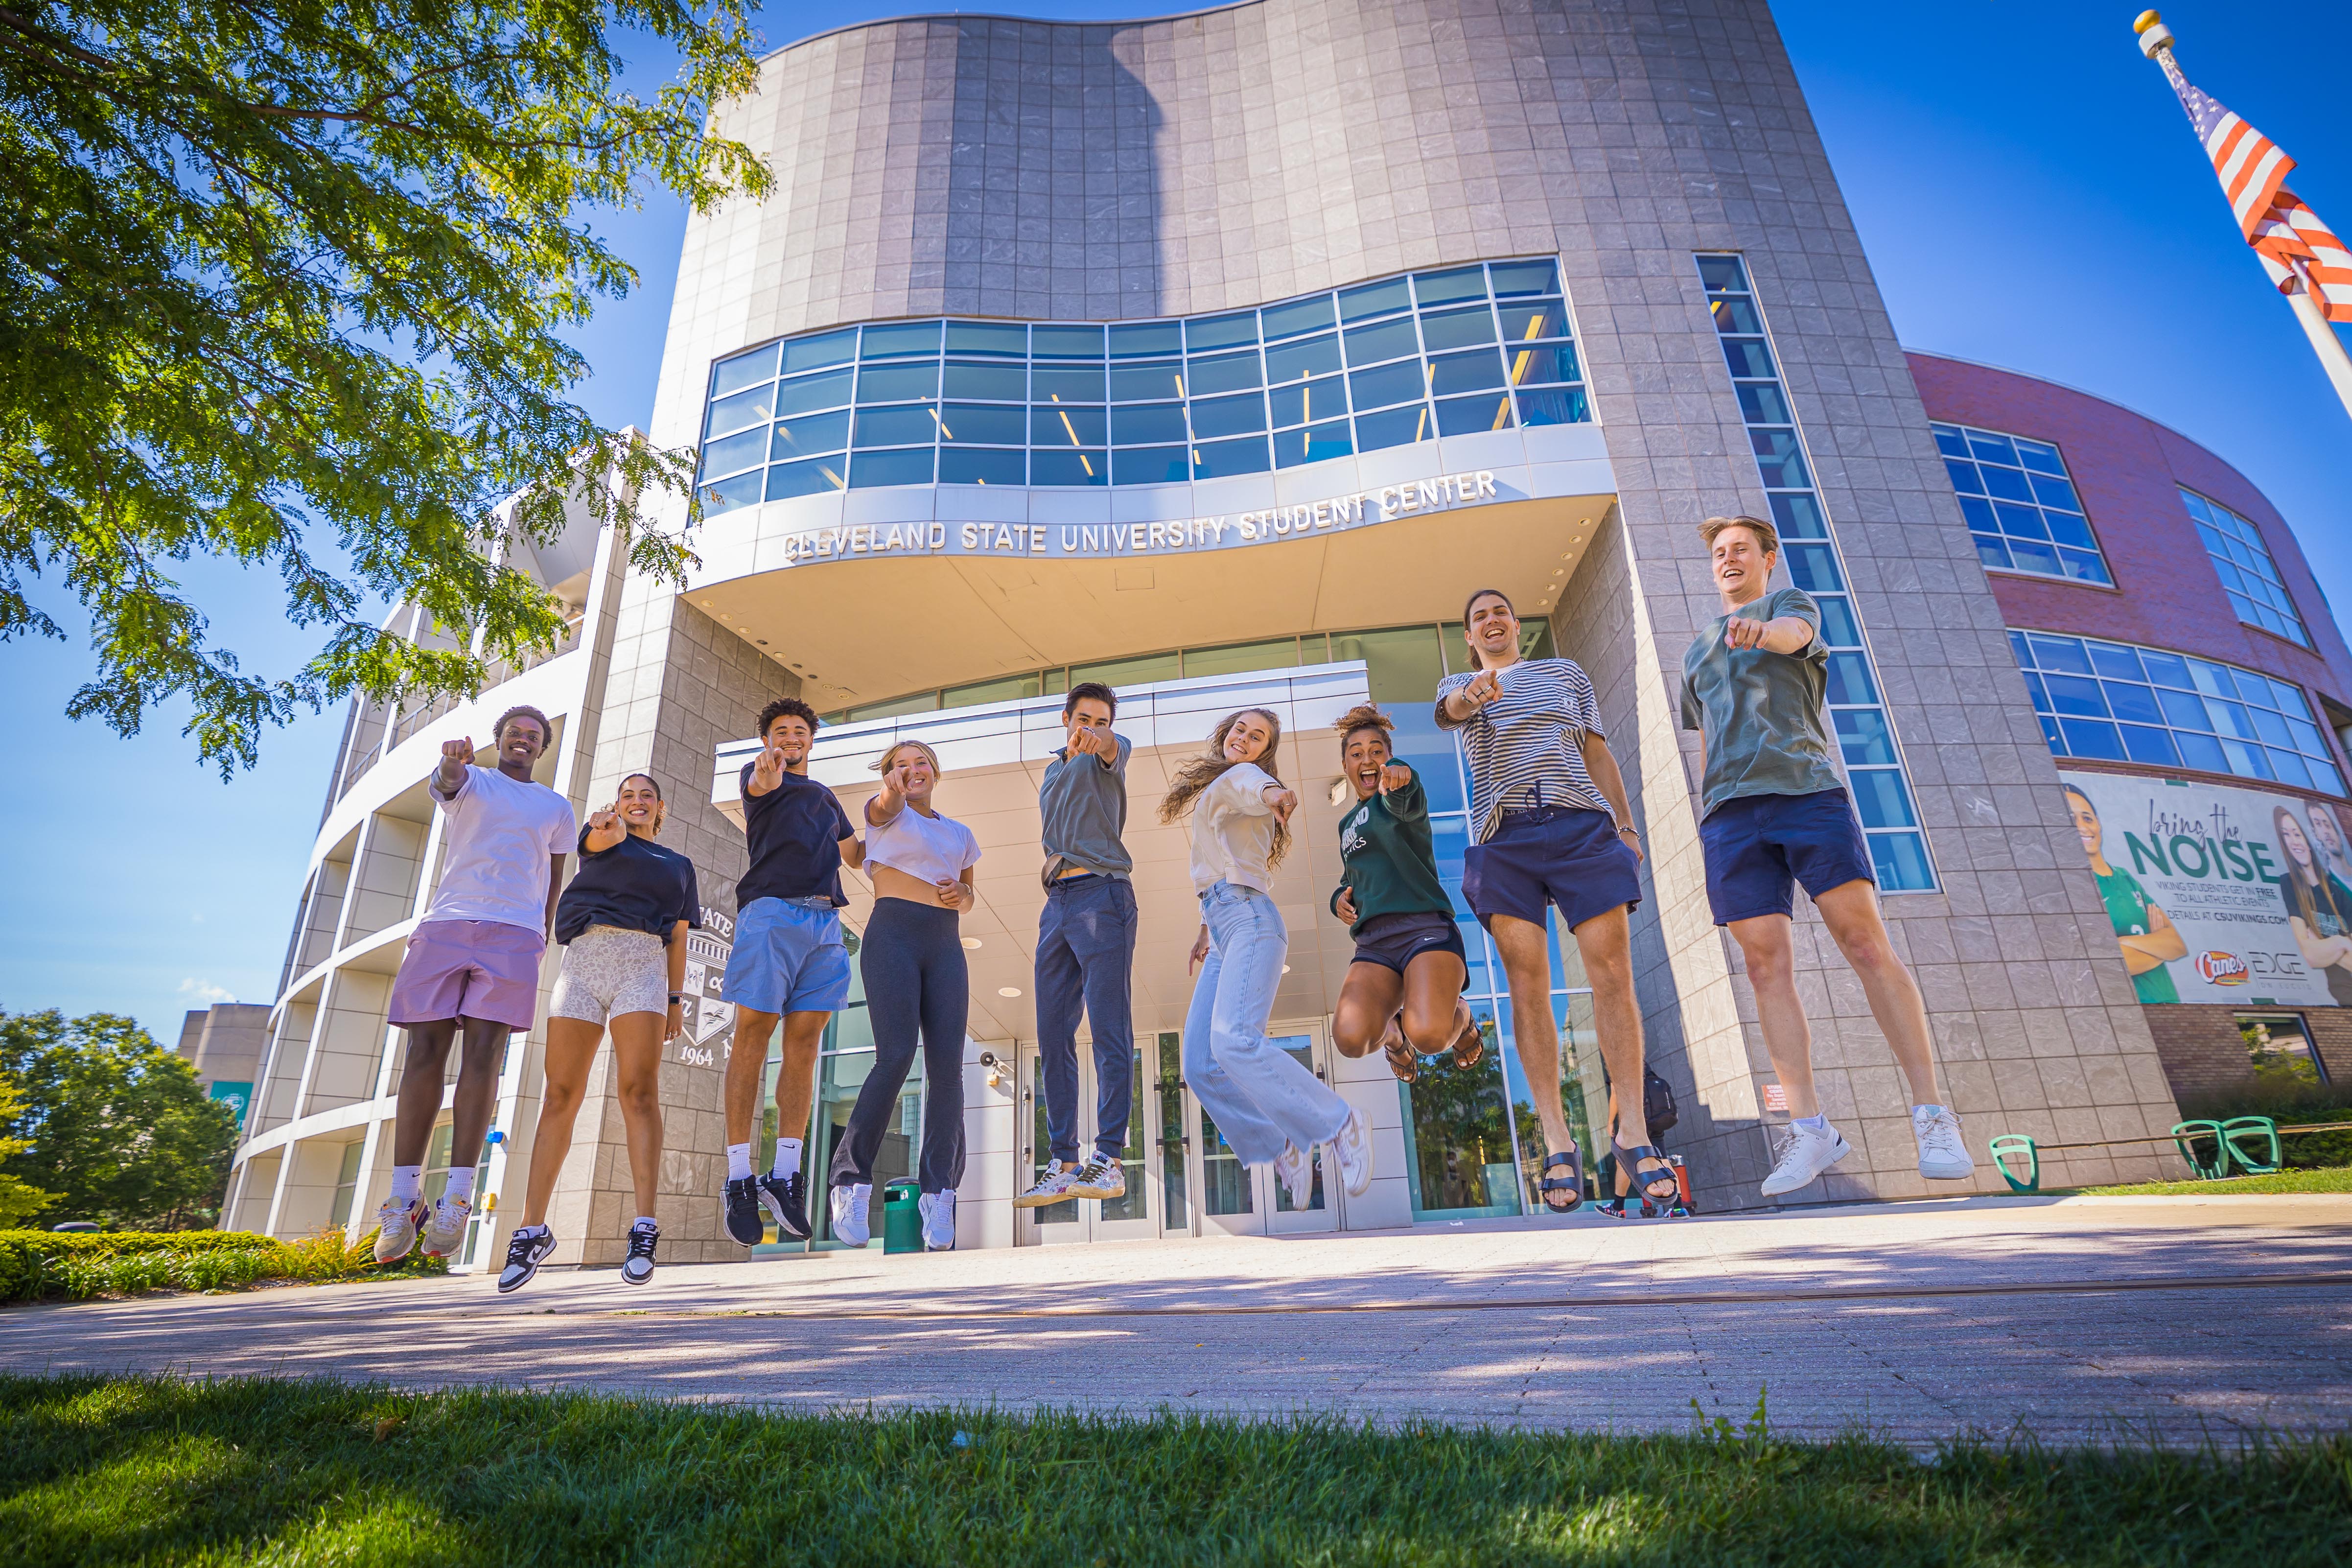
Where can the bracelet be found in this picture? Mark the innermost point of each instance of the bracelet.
(677, 998)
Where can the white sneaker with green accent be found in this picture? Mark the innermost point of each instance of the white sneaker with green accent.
(445, 1232)
(1353, 1148)
(1052, 1187)
(1100, 1176)
(1943, 1153)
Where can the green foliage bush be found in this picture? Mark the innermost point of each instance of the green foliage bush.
(38, 1265)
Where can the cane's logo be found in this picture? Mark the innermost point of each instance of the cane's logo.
(2221, 969)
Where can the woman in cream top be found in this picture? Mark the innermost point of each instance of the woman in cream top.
(1272, 1110)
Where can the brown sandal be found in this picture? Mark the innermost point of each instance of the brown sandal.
(1402, 1060)
(1469, 1045)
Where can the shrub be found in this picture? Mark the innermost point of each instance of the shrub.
(34, 1265)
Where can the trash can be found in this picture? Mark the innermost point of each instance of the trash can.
(902, 1217)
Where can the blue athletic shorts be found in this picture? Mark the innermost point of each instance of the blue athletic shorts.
(1757, 847)
(1550, 855)
(788, 958)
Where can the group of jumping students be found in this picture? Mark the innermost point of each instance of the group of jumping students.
(1552, 831)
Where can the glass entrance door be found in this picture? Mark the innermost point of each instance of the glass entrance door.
(1133, 1217)
(1238, 1201)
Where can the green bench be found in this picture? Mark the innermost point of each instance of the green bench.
(2188, 1137)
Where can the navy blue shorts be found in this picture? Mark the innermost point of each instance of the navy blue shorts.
(1550, 855)
(1757, 847)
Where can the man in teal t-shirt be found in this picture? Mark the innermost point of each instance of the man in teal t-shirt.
(1774, 813)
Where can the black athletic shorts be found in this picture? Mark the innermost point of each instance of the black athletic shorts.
(1394, 941)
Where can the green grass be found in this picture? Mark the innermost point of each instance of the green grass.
(2337, 1179)
(138, 1471)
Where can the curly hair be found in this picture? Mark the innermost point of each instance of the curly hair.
(1210, 765)
(1364, 716)
(783, 707)
(546, 729)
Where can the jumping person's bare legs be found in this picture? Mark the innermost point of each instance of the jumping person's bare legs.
(1766, 943)
(1432, 985)
(637, 1056)
(422, 1075)
(1528, 961)
(570, 1050)
(1368, 1000)
(747, 1056)
(1851, 912)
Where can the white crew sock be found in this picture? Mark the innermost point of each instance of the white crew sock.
(461, 1186)
(788, 1158)
(405, 1182)
(1816, 1122)
(647, 1222)
(739, 1162)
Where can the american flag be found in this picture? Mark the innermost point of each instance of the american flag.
(2282, 231)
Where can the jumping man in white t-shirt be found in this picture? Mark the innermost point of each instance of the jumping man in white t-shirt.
(472, 966)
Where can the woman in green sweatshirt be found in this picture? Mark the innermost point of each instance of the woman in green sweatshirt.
(1403, 992)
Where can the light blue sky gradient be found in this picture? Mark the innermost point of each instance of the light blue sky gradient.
(2028, 189)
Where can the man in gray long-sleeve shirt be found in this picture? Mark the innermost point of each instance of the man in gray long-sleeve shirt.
(1086, 948)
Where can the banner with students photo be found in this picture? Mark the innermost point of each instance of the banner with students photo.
(2218, 895)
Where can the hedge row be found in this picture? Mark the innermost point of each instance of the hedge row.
(36, 1265)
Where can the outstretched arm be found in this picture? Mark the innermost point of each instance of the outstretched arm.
(1785, 634)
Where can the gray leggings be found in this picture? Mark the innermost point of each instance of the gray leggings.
(916, 983)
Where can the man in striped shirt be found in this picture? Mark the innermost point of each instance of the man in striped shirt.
(1554, 831)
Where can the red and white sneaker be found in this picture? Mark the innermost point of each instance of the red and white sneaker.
(397, 1228)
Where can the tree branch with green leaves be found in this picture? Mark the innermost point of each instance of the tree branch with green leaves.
(281, 278)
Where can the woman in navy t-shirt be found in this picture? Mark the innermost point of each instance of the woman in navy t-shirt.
(622, 921)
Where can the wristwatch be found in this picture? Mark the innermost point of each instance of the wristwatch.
(677, 998)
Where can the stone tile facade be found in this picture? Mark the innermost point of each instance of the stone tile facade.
(1049, 171)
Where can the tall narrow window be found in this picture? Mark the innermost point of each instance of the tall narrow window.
(1874, 759)
(2248, 574)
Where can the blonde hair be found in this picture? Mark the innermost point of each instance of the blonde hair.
(882, 763)
(1768, 538)
(1212, 764)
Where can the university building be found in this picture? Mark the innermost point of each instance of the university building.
(1219, 357)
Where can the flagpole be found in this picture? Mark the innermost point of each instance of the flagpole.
(2156, 42)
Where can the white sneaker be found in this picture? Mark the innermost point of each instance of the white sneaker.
(444, 1233)
(1353, 1148)
(1804, 1154)
(1100, 1177)
(1052, 1186)
(850, 1225)
(1296, 1175)
(395, 1229)
(1943, 1153)
(939, 1220)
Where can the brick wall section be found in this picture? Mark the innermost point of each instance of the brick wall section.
(2127, 468)
(2204, 1054)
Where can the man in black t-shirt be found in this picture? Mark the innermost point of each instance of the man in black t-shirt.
(789, 963)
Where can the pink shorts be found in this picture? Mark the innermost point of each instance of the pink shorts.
(468, 969)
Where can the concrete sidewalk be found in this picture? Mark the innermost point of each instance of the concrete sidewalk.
(2071, 1319)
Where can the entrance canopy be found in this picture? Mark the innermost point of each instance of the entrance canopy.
(994, 761)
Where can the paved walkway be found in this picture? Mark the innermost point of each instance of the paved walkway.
(2071, 1319)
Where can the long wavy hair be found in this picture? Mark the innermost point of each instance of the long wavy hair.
(1471, 604)
(661, 806)
(1212, 766)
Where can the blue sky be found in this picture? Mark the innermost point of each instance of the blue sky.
(2030, 195)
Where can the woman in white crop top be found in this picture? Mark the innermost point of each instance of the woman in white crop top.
(1272, 1110)
(916, 988)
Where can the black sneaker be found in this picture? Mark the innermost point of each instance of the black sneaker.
(786, 1201)
(743, 1211)
(638, 1266)
(525, 1252)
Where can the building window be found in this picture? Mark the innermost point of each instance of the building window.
(2279, 1049)
(2248, 574)
(2117, 703)
(2021, 504)
(1874, 759)
(1405, 358)
(347, 1184)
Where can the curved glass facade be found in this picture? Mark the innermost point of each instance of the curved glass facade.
(1384, 363)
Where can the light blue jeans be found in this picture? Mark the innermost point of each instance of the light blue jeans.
(1257, 1093)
